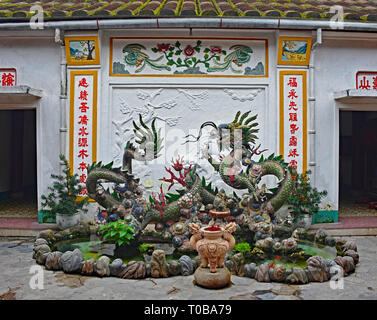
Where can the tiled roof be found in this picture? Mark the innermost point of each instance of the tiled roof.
(357, 10)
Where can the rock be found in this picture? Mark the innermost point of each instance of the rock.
(346, 263)
(41, 257)
(317, 268)
(265, 244)
(262, 274)
(309, 275)
(174, 268)
(39, 242)
(289, 244)
(351, 263)
(336, 272)
(87, 267)
(228, 264)
(300, 234)
(159, 269)
(277, 247)
(298, 276)
(47, 235)
(353, 254)
(320, 236)
(237, 265)
(70, 261)
(339, 244)
(350, 245)
(187, 267)
(52, 260)
(282, 232)
(212, 280)
(44, 247)
(134, 270)
(330, 241)
(278, 272)
(41, 253)
(147, 258)
(148, 269)
(116, 267)
(329, 263)
(250, 270)
(197, 262)
(177, 242)
(102, 266)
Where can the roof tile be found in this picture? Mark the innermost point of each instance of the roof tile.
(354, 10)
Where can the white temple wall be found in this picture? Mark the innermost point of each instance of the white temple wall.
(336, 64)
(186, 102)
(37, 61)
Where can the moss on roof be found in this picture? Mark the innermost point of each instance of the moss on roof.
(354, 10)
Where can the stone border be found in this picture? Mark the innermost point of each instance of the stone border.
(317, 270)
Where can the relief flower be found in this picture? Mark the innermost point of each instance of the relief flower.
(189, 51)
(163, 47)
(215, 49)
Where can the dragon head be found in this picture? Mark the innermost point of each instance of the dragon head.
(229, 131)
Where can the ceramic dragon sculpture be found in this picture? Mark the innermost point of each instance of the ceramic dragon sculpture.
(129, 202)
(230, 166)
(132, 206)
(140, 213)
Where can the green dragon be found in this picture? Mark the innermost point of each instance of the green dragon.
(149, 141)
(239, 56)
(150, 145)
(172, 211)
(229, 167)
(135, 57)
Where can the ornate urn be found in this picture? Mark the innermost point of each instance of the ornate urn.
(212, 244)
(219, 214)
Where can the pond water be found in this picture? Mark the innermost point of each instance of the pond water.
(94, 249)
(84, 245)
(310, 248)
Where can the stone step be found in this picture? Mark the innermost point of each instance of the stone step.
(22, 227)
(350, 226)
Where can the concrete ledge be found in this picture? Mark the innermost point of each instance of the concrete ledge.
(352, 232)
(358, 96)
(18, 233)
(23, 95)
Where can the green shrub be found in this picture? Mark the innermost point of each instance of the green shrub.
(304, 199)
(64, 193)
(117, 232)
(145, 248)
(242, 247)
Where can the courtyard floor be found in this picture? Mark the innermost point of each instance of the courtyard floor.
(16, 261)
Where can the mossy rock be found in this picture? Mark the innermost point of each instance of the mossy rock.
(48, 235)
